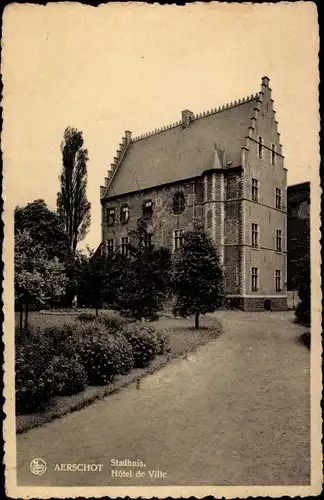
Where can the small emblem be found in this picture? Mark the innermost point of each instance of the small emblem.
(38, 466)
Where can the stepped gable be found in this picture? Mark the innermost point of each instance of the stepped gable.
(181, 150)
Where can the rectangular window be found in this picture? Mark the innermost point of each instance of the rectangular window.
(177, 239)
(255, 236)
(278, 198)
(124, 246)
(110, 216)
(147, 210)
(260, 147)
(278, 280)
(255, 190)
(278, 240)
(273, 154)
(146, 240)
(110, 247)
(124, 214)
(178, 203)
(255, 279)
(231, 187)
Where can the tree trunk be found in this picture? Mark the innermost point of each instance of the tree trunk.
(26, 314)
(197, 321)
(97, 312)
(21, 315)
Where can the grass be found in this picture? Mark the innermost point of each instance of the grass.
(48, 318)
(183, 338)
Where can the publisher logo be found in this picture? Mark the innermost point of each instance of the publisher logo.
(38, 466)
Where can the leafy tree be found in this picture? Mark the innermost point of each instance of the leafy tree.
(72, 203)
(140, 281)
(198, 277)
(303, 278)
(45, 228)
(93, 279)
(37, 277)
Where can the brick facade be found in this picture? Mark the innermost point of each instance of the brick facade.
(222, 195)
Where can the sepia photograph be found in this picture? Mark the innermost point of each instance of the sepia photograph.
(162, 295)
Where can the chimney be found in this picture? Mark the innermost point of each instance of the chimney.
(128, 136)
(186, 117)
(265, 81)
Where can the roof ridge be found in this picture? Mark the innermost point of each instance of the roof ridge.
(197, 116)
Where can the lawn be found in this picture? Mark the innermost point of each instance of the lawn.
(183, 337)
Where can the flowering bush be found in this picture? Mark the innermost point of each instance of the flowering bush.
(163, 342)
(34, 384)
(145, 344)
(64, 359)
(69, 375)
(63, 339)
(103, 355)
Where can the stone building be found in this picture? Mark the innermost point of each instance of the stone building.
(223, 166)
(298, 229)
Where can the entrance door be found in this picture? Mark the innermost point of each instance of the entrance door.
(267, 305)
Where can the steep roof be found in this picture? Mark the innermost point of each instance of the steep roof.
(176, 153)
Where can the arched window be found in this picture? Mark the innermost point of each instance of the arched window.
(124, 214)
(178, 203)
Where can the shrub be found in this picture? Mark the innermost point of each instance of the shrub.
(86, 317)
(63, 339)
(27, 334)
(145, 344)
(303, 313)
(103, 355)
(69, 375)
(124, 355)
(34, 384)
(113, 325)
(163, 342)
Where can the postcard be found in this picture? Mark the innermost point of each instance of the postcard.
(162, 293)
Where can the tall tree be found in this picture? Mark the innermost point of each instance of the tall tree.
(45, 228)
(198, 278)
(72, 203)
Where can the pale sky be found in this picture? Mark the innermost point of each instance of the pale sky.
(135, 67)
